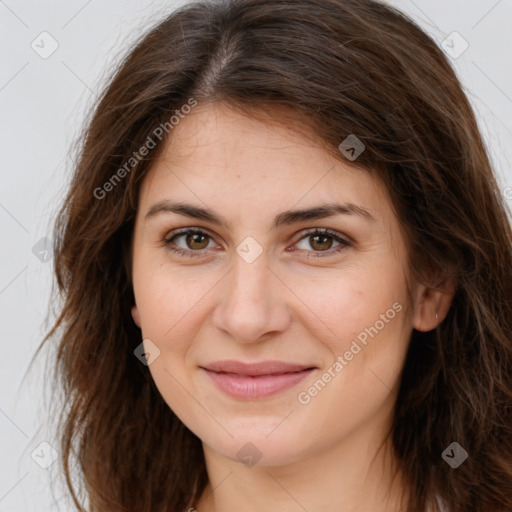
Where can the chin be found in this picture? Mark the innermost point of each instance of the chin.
(259, 444)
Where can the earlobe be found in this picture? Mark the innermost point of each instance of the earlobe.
(136, 316)
(432, 305)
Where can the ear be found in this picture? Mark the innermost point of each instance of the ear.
(136, 315)
(432, 304)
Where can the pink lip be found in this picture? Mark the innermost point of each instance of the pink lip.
(255, 380)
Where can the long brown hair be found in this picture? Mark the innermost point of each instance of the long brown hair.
(344, 67)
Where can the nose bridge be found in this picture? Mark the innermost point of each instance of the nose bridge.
(251, 304)
(249, 282)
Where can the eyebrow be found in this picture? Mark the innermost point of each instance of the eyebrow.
(285, 218)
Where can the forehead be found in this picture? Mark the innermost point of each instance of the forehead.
(219, 156)
(217, 131)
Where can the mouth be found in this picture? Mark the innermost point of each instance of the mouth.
(255, 380)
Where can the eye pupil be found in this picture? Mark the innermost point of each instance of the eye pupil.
(324, 238)
(194, 238)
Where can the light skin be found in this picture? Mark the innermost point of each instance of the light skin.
(299, 301)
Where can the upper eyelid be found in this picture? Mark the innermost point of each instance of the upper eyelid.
(184, 231)
(302, 234)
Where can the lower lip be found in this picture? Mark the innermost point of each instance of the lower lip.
(246, 387)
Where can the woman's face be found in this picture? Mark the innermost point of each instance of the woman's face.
(257, 285)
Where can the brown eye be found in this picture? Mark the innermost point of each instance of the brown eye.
(317, 241)
(188, 241)
(320, 242)
(196, 240)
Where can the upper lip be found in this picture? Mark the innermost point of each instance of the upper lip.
(255, 369)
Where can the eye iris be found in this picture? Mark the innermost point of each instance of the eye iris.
(321, 237)
(194, 238)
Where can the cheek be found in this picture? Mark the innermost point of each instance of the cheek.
(365, 311)
(169, 301)
(345, 304)
(368, 348)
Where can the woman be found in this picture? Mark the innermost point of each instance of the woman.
(285, 265)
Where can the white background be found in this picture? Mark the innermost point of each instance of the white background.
(42, 104)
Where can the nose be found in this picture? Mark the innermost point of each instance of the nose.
(252, 302)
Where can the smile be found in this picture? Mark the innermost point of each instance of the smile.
(254, 381)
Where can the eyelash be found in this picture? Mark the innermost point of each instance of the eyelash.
(168, 240)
